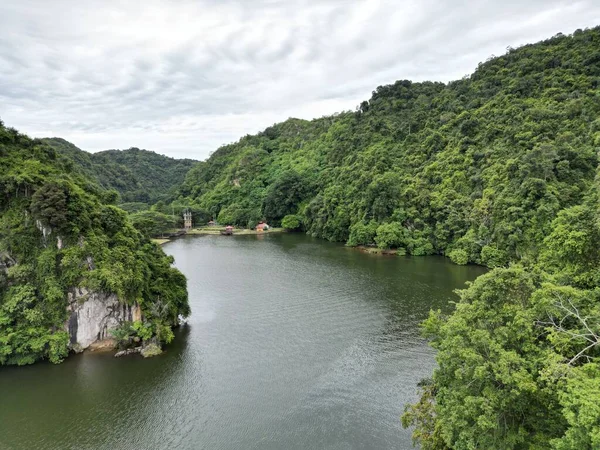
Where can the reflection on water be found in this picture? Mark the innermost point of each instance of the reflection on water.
(293, 343)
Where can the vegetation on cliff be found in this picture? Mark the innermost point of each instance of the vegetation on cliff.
(497, 169)
(58, 231)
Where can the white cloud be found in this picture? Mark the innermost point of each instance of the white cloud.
(184, 77)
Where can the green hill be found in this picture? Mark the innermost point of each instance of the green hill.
(498, 169)
(479, 166)
(138, 175)
(71, 265)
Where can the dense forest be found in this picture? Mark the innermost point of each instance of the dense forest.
(139, 176)
(58, 231)
(500, 169)
(476, 169)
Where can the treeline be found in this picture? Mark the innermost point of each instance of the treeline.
(476, 169)
(497, 169)
(139, 176)
(59, 230)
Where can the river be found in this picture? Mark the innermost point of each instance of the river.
(293, 343)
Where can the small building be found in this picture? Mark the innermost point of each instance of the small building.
(212, 223)
(228, 230)
(262, 226)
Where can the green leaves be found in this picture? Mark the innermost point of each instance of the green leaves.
(488, 390)
(152, 223)
(459, 256)
(390, 235)
(49, 204)
(291, 222)
(91, 245)
(482, 165)
(362, 234)
(580, 401)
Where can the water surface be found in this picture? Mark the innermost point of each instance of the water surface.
(294, 343)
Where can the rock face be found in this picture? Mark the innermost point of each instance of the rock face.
(93, 315)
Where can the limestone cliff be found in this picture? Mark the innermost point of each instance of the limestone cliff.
(93, 315)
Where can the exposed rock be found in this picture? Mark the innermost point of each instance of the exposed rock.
(105, 345)
(93, 315)
(6, 261)
(129, 351)
(151, 350)
(46, 231)
(136, 313)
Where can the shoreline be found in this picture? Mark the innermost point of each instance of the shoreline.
(375, 250)
(216, 231)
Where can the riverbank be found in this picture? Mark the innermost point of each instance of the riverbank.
(160, 241)
(216, 231)
(379, 251)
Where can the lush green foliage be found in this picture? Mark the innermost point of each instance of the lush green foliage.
(138, 175)
(495, 169)
(479, 167)
(152, 223)
(57, 232)
(519, 358)
(291, 222)
(518, 364)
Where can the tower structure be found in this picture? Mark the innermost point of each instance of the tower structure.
(187, 219)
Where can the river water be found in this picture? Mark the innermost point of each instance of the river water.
(294, 343)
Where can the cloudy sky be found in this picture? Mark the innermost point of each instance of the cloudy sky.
(182, 77)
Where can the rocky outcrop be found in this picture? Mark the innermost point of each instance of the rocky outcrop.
(128, 351)
(93, 315)
(6, 261)
(150, 350)
(46, 231)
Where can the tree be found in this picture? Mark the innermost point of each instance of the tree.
(284, 196)
(49, 204)
(490, 388)
(291, 222)
(152, 223)
(390, 235)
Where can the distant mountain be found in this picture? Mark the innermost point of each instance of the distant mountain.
(138, 175)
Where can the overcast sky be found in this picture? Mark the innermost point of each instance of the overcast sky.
(183, 77)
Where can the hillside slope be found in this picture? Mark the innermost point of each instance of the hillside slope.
(477, 168)
(138, 175)
(72, 267)
(499, 168)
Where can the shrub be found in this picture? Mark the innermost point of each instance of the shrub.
(492, 256)
(390, 235)
(459, 256)
(362, 234)
(291, 222)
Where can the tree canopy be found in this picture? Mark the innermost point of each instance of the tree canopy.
(500, 169)
(59, 231)
(137, 175)
(477, 168)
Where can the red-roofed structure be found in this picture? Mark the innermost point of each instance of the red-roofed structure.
(262, 226)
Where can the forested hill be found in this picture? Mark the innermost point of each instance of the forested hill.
(476, 169)
(499, 169)
(58, 236)
(138, 175)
